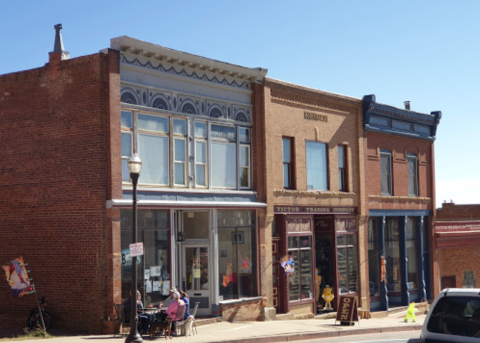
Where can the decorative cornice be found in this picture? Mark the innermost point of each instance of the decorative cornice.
(190, 65)
(312, 194)
(286, 95)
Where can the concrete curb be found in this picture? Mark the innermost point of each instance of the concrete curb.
(323, 334)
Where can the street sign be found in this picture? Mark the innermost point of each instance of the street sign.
(136, 249)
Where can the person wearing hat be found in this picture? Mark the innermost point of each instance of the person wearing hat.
(167, 304)
(177, 306)
(170, 299)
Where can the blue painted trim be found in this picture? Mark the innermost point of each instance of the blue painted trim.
(398, 213)
(176, 196)
(420, 258)
(402, 228)
(370, 106)
(428, 275)
(383, 284)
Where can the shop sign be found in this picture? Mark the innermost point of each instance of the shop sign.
(315, 209)
(442, 227)
(323, 225)
(299, 224)
(346, 224)
(347, 309)
(313, 116)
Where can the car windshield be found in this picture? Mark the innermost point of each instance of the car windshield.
(456, 315)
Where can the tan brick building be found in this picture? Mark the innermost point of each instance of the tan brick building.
(457, 238)
(313, 179)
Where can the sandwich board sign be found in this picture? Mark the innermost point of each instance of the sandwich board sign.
(347, 311)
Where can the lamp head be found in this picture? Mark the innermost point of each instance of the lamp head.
(135, 164)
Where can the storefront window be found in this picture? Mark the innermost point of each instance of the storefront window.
(300, 281)
(154, 267)
(237, 254)
(347, 263)
(392, 250)
(412, 264)
(373, 258)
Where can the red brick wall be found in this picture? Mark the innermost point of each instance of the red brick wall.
(456, 260)
(55, 175)
(400, 146)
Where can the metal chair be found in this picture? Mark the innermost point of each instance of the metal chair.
(179, 318)
(122, 324)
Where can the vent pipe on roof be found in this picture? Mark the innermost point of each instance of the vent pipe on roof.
(58, 48)
(407, 105)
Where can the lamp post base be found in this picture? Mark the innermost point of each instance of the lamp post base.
(135, 337)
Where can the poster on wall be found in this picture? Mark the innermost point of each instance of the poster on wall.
(17, 278)
(287, 263)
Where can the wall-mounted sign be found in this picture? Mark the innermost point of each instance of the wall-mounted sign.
(441, 227)
(313, 116)
(315, 209)
(299, 224)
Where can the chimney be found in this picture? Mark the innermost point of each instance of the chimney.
(407, 105)
(59, 53)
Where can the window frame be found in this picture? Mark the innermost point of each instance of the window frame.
(412, 156)
(343, 171)
(203, 140)
(129, 131)
(290, 165)
(348, 247)
(327, 164)
(298, 264)
(386, 153)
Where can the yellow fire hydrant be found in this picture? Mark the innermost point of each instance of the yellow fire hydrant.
(411, 313)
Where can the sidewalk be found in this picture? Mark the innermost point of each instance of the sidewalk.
(269, 332)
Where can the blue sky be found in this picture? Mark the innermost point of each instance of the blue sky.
(425, 51)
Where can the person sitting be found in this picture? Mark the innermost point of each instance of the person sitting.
(174, 308)
(144, 319)
(162, 316)
(186, 300)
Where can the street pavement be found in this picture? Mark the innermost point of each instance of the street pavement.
(270, 331)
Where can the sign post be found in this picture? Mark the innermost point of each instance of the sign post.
(347, 311)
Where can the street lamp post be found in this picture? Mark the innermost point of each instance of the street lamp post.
(135, 166)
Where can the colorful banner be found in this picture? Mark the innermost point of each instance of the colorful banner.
(17, 278)
(288, 263)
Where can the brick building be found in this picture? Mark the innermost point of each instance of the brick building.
(314, 137)
(67, 131)
(400, 203)
(457, 238)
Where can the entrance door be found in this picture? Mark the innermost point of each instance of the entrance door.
(195, 274)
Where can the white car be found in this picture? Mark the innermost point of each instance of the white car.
(453, 317)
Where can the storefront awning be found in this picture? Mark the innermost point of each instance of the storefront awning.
(128, 203)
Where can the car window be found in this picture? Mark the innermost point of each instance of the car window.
(458, 316)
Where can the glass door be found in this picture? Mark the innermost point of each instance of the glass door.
(196, 276)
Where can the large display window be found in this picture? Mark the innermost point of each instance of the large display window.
(153, 278)
(300, 280)
(236, 254)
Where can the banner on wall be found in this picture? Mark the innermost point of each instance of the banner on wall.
(17, 278)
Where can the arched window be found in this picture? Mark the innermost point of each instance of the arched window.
(216, 113)
(189, 108)
(129, 98)
(386, 172)
(412, 175)
(160, 103)
(241, 117)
